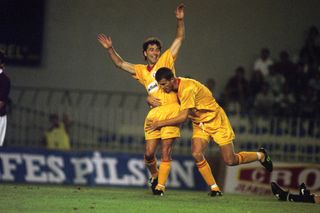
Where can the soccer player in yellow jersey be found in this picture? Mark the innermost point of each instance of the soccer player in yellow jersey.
(164, 105)
(209, 121)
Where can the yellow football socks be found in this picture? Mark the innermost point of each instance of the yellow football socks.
(152, 166)
(247, 157)
(163, 174)
(206, 173)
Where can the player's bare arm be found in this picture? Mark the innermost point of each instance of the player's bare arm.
(153, 102)
(180, 33)
(106, 42)
(154, 124)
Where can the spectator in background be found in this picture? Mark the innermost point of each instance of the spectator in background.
(307, 100)
(263, 102)
(302, 78)
(275, 81)
(286, 68)
(313, 36)
(57, 136)
(4, 98)
(263, 63)
(310, 52)
(211, 85)
(314, 83)
(285, 102)
(255, 84)
(237, 90)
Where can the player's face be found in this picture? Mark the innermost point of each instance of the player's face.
(166, 85)
(152, 54)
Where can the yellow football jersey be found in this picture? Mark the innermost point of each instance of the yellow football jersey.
(147, 78)
(195, 96)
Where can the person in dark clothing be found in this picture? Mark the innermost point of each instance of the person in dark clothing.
(4, 98)
(304, 194)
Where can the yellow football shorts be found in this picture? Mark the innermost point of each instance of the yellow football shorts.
(163, 113)
(219, 129)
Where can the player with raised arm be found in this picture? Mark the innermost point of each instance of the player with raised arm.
(209, 121)
(163, 105)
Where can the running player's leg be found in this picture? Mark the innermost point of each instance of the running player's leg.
(199, 145)
(224, 135)
(231, 158)
(165, 164)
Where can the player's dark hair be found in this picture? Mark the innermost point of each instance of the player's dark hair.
(164, 73)
(151, 41)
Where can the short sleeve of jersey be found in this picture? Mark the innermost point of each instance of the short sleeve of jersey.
(139, 68)
(187, 98)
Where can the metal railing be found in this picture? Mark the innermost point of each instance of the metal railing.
(114, 121)
(99, 118)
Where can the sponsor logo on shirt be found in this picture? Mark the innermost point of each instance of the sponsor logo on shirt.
(152, 87)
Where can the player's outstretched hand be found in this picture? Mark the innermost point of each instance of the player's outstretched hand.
(180, 11)
(105, 41)
(151, 125)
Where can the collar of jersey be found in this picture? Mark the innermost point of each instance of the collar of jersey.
(149, 68)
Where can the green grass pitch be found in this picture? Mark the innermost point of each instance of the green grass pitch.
(43, 198)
